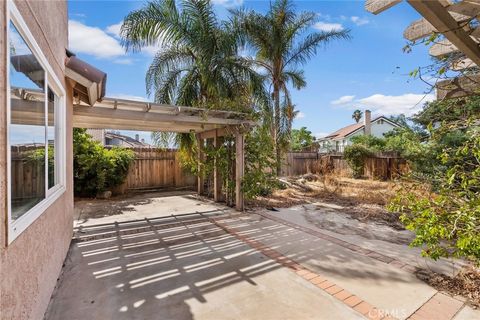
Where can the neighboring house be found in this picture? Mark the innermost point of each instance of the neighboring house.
(338, 140)
(110, 138)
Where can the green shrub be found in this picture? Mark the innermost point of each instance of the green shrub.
(95, 168)
(446, 222)
(355, 156)
(370, 142)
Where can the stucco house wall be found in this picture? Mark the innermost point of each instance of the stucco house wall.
(30, 265)
(379, 128)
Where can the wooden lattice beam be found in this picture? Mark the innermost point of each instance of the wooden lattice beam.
(458, 87)
(377, 6)
(438, 16)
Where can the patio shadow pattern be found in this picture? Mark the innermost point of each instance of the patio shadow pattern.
(180, 267)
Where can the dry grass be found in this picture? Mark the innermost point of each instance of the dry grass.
(362, 199)
(345, 190)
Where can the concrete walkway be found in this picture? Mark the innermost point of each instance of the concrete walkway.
(306, 262)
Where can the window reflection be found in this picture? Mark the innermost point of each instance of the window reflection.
(27, 126)
(52, 151)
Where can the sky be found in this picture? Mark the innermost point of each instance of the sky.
(370, 71)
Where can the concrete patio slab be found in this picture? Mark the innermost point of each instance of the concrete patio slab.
(141, 205)
(181, 268)
(386, 287)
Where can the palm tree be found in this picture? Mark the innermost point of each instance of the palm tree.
(198, 62)
(357, 115)
(281, 47)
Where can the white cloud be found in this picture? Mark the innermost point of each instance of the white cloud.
(123, 61)
(114, 29)
(407, 104)
(359, 21)
(343, 100)
(228, 3)
(324, 16)
(387, 105)
(93, 41)
(325, 26)
(300, 115)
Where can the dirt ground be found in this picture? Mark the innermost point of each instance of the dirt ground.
(363, 200)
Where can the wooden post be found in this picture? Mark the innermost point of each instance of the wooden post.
(201, 155)
(217, 178)
(239, 170)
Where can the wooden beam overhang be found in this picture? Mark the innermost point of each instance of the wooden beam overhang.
(121, 114)
(440, 18)
(458, 22)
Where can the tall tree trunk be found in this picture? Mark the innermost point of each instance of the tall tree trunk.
(278, 151)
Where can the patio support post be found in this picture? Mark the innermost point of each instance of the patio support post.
(217, 178)
(201, 156)
(239, 170)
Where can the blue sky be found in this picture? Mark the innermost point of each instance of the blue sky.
(368, 72)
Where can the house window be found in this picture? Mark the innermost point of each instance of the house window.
(36, 129)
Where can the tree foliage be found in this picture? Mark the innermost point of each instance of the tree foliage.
(95, 168)
(357, 115)
(447, 221)
(199, 59)
(301, 139)
(281, 45)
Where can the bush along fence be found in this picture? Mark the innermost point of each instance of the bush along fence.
(383, 166)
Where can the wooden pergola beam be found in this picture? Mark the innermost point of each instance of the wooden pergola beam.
(442, 48)
(458, 87)
(99, 114)
(462, 64)
(439, 17)
(215, 133)
(422, 28)
(377, 6)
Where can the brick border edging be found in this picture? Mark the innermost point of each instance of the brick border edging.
(440, 307)
(349, 299)
(350, 246)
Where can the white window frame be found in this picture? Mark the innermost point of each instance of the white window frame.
(15, 228)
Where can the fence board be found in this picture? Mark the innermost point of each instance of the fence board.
(379, 166)
(154, 168)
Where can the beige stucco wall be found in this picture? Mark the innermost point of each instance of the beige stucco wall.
(29, 266)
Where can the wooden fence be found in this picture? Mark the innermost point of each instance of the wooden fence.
(154, 168)
(28, 175)
(380, 166)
